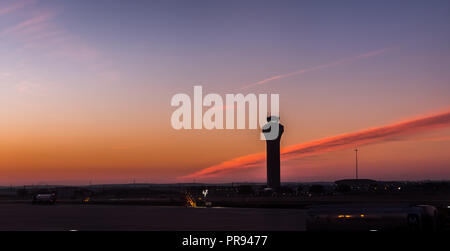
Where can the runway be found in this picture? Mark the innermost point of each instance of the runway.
(146, 218)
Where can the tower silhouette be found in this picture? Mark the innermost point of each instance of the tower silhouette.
(273, 150)
(356, 161)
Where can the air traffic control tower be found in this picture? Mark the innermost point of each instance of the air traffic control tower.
(272, 132)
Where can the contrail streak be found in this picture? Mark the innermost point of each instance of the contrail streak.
(16, 6)
(316, 68)
(364, 137)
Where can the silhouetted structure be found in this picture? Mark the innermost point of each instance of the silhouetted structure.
(273, 151)
(356, 171)
(348, 185)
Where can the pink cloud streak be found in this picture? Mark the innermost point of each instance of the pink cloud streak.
(349, 140)
(33, 24)
(13, 7)
(316, 68)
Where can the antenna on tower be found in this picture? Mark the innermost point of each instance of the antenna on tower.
(356, 155)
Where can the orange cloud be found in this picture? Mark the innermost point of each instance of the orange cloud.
(364, 137)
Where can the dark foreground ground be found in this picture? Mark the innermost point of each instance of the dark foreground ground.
(131, 217)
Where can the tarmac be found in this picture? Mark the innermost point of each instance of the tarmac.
(79, 217)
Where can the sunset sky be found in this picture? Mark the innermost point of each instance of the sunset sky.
(85, 89)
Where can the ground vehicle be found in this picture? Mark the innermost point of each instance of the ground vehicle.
(44, 199)
(372, 217)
